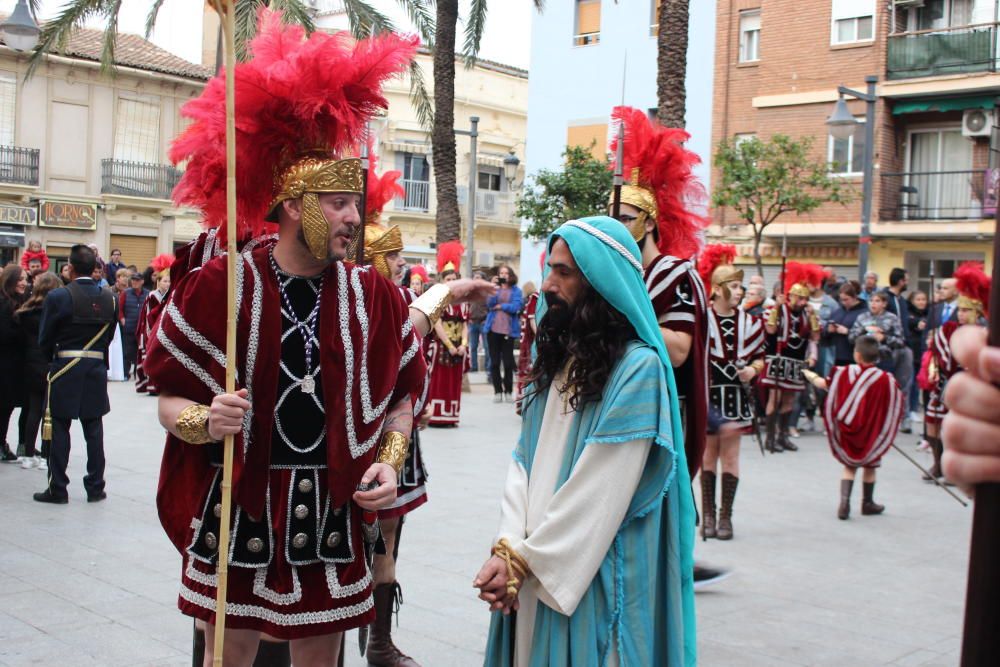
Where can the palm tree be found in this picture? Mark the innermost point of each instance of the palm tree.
(671, 62)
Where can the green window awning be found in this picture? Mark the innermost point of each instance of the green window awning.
(943, 104)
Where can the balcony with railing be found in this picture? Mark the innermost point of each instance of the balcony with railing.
(940, 195)
(138, 179)
(18, 166)
(938, 51)
(491, 205)
(417, 197)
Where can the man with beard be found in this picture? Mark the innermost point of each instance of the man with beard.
(595, 540)
(792, 332)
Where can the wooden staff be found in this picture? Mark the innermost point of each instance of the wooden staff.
(980, 643)
(227, 14)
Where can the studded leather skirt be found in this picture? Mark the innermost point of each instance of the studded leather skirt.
(297, 571)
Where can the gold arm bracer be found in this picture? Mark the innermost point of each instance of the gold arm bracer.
(433, 302)
(393, 450)
(772, 316)
(192, 424)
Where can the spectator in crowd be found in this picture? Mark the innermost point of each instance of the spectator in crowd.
(503, 329)
(34, 269)
(148, 279)
(946, 307)
(113, 266)
(838, 327)
(129, 307)
(870, 286)
(13, 285)
(477, 331)
(902, 357)
(832, 282)
(64, 274)
(916, 338)
(823, 305)
(36, 367)
(34, 251)
(528, 328)
(883, 326)
(121, 282)
(753, 302)
(98, 274)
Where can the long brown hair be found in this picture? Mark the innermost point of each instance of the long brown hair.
(44, 283)
(8, 283)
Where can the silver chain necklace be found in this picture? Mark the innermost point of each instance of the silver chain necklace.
(307, 328)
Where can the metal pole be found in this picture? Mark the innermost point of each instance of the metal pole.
(473, 179)
(866, 199)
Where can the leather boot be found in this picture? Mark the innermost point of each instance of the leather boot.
(707, 504)
(868, 505)
(381, 651)
(725, 528)
(771, 444)
(786, 442)
(844, 510)
(937, 449)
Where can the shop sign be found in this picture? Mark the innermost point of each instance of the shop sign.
(68, 215)
(11, 214)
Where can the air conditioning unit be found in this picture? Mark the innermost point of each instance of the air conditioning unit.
(484, 259)
(977, 122)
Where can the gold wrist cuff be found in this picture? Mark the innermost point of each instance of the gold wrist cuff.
(192, 424)
(433, 302)
(757, 365)
(393, 449)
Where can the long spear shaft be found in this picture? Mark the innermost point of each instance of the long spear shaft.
(929, 475)
(619, 176)
(227, 14)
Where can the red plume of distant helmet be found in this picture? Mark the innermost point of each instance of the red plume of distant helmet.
(973, 283)
(450, 252)
(419, 270)
(665, 168)
(297, 93)
(161, 263)
(712, 257)
(811, 275)
(381, 189)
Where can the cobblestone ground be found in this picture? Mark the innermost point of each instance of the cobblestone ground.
(97, 584)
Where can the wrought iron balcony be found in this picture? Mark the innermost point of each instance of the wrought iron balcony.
(138, 179)
(958, 50)
(18, 165)
(417, 197)
(938, 195)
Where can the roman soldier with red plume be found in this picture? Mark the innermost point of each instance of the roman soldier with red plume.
(656, 205)
(418, 279)
(736, 358)
(792, 333)
(383, 245)
(149, 315)
(328, 352)
(973, 301)
(449, 350)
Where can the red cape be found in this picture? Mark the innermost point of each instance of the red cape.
(864, 408)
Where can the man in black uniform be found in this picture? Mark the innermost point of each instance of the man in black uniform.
(75, 331)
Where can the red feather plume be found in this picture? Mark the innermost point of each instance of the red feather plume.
(450, 251)
(161, 262)
(419, 270)
(298, 93)
(712, 257)
(806, 274)
(972, 282)
(381, 189)
(665, 167)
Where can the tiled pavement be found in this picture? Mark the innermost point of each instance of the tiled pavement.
(96, 584)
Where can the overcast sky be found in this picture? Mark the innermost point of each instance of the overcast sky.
(507, 37)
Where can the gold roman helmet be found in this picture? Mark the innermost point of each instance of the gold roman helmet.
(723, 275)
(640, 197)
(314, 173)
(379, 242)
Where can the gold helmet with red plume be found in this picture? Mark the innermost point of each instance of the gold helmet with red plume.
(973, 287)
(161, 264)
(302, 106)
(380, 240)
(715, 265)
(418, 272)
(659, 181)
(800, 279)
(449, 257)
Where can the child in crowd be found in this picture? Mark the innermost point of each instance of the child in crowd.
(34, 251)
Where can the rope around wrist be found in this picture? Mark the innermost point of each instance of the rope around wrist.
(517, 567)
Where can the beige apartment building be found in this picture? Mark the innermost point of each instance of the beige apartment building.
(778, 66)
(83, 156)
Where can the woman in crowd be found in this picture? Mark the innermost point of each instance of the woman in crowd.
(527, 338)
(36, 366)
(838, 328)
(13, 285)
(916, 338)
(449, 356)
(883, 326)
(504, 328)
(148, 316)
(64, 274)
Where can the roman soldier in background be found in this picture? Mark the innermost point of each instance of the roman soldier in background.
(792, 333)
(973, 297)
(149, 315)
(448, 358)
(736, 358)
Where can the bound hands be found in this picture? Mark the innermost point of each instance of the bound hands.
(492, 584)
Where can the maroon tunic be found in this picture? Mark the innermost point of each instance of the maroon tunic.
(863, 410)
(149, 314)
(527, 341)
(444, 393)
(940, 349)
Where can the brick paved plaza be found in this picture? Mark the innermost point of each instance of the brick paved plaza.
(97, 584)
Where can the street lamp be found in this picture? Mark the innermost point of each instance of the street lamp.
(510, 164)
(473, 134)
(20, 32)
(842, 125)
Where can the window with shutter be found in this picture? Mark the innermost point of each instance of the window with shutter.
(588, 22)
(137, 134)
(852, 21)
(8, 103)
(749, 35)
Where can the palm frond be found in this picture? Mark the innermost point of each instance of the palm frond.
(56, 33)
(110, 37)
(420, 98)
(419, 12)
(474, 27)
(364, 20)
(154, 11)
(294, 12)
